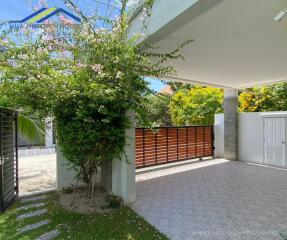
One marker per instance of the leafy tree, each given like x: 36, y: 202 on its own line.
x: 87, y: 76
x: 279, y: 97
x: 155, y: 111
x: 196, y: 106
x: 256, y: 100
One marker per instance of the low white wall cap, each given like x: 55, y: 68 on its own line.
x: 273, y: 114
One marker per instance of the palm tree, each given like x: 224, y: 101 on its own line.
x: 31, y: 129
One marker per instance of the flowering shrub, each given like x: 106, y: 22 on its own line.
x: 87, y: 77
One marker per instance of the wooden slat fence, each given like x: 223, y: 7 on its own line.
x: 170, y: 144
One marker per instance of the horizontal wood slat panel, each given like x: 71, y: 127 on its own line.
x: 170, y: 144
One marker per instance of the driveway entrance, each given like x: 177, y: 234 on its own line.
x: 37, y: 170
x: 215, y: 199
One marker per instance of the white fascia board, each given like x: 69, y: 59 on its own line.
x: 163, y: 11
x: 189, y: 81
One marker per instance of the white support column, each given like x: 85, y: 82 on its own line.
x: 230, y: 93
x: 123, y: 172
x: 231, y: 124
x: 116, y: 178
x: 49, y: 132
x: 65, y: 176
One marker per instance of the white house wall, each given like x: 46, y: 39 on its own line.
x: 66, y: 177
x: 250, y: 134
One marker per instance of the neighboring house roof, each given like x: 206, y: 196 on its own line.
x: 166, y: 90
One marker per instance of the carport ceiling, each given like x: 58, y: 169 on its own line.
x: 237, y: 43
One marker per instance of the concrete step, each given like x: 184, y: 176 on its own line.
x: 34, y: 226
x: 33, y: 199
x: 29, y: 206
x: 49, y: 235
x: 32, y: 214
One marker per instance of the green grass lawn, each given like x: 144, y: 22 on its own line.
x: 119, y: 224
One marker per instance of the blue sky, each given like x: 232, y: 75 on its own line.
x: 155, y: 85
x: 19, y: 9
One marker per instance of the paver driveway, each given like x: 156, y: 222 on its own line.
x: 215, y: 199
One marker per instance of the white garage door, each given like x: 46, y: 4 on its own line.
x: 275, y: 141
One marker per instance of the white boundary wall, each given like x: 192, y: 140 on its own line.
x: 250, y: 134
x: 66, y: 177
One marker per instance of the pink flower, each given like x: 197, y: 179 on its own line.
x: 81, y: 65
x: 65, y: 20
x: 98, y: 68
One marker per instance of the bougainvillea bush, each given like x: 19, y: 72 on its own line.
x: 87, y: 75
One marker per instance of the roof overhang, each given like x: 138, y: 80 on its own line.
x: 237, y: 43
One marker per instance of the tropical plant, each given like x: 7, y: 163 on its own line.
x: 31, y: 129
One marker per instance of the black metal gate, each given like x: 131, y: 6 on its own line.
x: 8, y: 158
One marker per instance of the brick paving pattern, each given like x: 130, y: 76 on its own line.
x: 217, y: 200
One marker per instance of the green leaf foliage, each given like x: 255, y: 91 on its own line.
x: 256, y: 100
x: 155, y: 111
x: 87, y: 76
x: 196, y: 106
x: 266, y: 98
x: 31, y: 129
x: 90, y: 132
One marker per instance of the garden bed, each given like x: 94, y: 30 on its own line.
x: 81, y: 203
